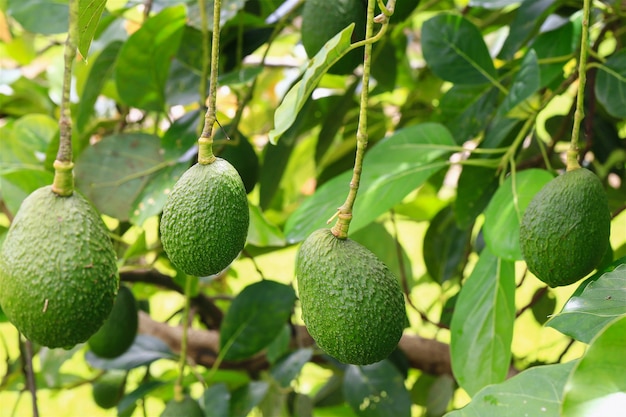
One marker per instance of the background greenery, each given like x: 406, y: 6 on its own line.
x: 470, y: 114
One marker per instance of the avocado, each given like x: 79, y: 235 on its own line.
x: 565, y: 229
x: 351, y: 302
x: 118, y: 332
x: 188, y: 407
x: 58, y: 272
x: 108, y: 390
x: 205, y: 219
x: 322, y: 19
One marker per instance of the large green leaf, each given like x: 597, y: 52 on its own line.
x: 561, y: 42
x: 526, y: 22
x: 47, y: 17
x: 299, y: 93
x: 89, y: 12
x: 217, y: 400
x: 255, y: 318
x: 455, y: 50
x: 376, y: 390
x: 525, y: 84
x: 393, y: 168
x: 288, y: 368
x: 597, y: 387
x: 143, y: 64
x: 611, y: 85
x: 535, y: 392
x: 262, y: 232
x: 483, y: 324
x: 114, y: 171
x: 601, y: 301
x: 505, y: 211
x: 244, y: 399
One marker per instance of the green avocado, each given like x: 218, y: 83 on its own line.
x: 108, y: 390
x: 58, y: 272
x: 205, y: 219
x: 565, y: 229
x: 351, y: 303
x: 188, y: 407
x: 323, y: 19
x: 120, y: 328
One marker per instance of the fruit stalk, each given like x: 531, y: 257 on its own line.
x: 572, y: 153
x: 204, y: 29
x: 344, y: 215
x: 205, y: 142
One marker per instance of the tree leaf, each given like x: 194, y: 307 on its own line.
x: 244, y: 399
x: 536, y: 391
x: 288, y: 368
x: 89, y: 12
x: 261, y: 232
x: 493, y: 4
x: 393, y: 168
x: 525, y: 84
x: 128, y: 401
x: 19, y: 183
x: 528, y: 18
x: 113, y: 172
x: 217, y: 401
x: 561, y: 42
x: 376, y: 390
x: 611, y: 85
x: 483, y: 324
x: 228, y: 10
x: 299, y: 93
x: 47, y: 17
x: 144, y: 350
x: 455, y: 50
x: 255, y: 317
x: 505, y: 211
x: 143, y: 63
x: 180, y: 140
x: 601, y: 301
x: 597, y: 386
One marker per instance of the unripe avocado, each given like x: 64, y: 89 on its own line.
x: 565, y: 229
x: 108, y: 390
x: 58, y: 272
x: 188, y: 407
x: 205, y: 219
x: 118, y: 332
x: 323, y: 19
x: 352, y: 304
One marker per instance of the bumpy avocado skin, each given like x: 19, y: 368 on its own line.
x: 351, y: 303
x: 58, y: 272
x: 205, y: 219
x: 188, y: 407
x: 119, y: 330
x: 565, y: 229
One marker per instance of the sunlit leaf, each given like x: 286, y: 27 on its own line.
x: 46, y: 17
x: 483, y: 324
x: 262, y: 232
x: 525, y: 84
x: 89, y: 12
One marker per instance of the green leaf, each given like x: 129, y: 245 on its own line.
x: 128, y: 403
x: 505, y: 211
x: 217, y: 401
x: 113, y: 172
x: 534, y: 392
x: 299, y: 93
x: 494, y: 4
x: 28, y: 141
x: 262, y: 232
x: 244, y: 399
x: 393, y: 168
x: 288, y: 368
x: 455, y: 50
x: 19, y: 183
x: 525, y: 84
x: 143, y: 64
x: 376, y: 390
x: 255, y: 318
x: 47, y: 17
x: 89, y: 12
x: 611, y: 85
x: 144, y: 350
x: 597, y: 386
x: 561, y: 42
x: 586, y: 314
x: 483, y: 324
x: 445, y: 246
x: 544, y: 306
x: 181, y: 137
x: 526, y: 22
x: 228, y: 10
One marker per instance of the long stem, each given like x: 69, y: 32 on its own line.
x: 572, y: 153
x: 204, y: 28
x: 178, y: 388
x: 344, y: 216
x: 205, y: 142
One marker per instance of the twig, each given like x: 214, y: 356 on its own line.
x: 536, y: 297
x: 567, y: 348
x: 30, y: 375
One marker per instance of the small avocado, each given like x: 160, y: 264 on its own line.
x: 108, y: 390
x: 118, y: 332
x: 58, y: 272
x: 205, y: 219
x: 351, y: 302
x: 188, y: 407
x: 564, y: 232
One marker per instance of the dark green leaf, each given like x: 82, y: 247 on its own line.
x: 586, y: 314
x: 255, y: 317
x: 262, y: 232
x: 392, y: 169
x: 280, y: 345
x: 47, y: 17
x: 561, y: 42
x: 440, y: 395
x: 217, y: 401
x: 505, y: 211
x: 180, y: 140
x: 544, y: 307
x: 526, y: 22
x: 525, y: 84
x: 128, y: 402
x: 89, y: 12
x: 597, y: 386
x: 288, y: 368
x: 455, y: 50
x: 144, y: 350
x: 445, y: 246
x: 376, y: 390
x: 535, y: 392
x: 611, y: 85
x: 144, y: 61
x: 483, y: 324
x: 244, y: 399
x: 114, y: 171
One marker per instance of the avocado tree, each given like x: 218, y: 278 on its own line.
x: 398, y: 143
